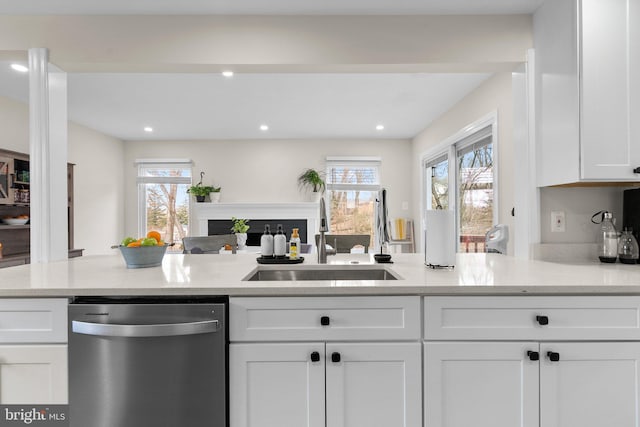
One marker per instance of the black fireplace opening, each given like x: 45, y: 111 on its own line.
x: 223, y: 226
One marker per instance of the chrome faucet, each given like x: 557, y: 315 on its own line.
x: 322, y: 241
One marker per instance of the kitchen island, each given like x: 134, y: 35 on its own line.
x: 494, y: 342
x: 474, y: 274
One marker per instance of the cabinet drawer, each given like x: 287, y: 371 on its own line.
x: 33, y: 320
x: 346, y: 318
x: 532, y: 318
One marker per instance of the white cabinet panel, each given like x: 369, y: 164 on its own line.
x: 374, y: 385
x: 33, y: 374
x: 347, y: 318
x: 521, y: 318
x: 33, y: 320
x: 482, y: 384
x: 592, y: 385
x: 276, y: 385
x: 608, y: 149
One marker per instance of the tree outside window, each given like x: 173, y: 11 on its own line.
x: 164, y: 201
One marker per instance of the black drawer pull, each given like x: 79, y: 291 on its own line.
x: 335, y: 357
x: 315, y: 356
x: 325, y: 321
x: 636, y: 170
x: 542, y: 320
x: 553, y: 356
x: 533, y: 355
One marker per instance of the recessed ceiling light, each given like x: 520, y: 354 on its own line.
x: 19, y: 67
x: 148, y: 129
x: 227, y: 73
x: 380, y: 127
x: 264, y: 128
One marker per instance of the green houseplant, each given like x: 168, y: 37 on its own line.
x: 240, y: 228
x: 312, y: 182
x: 200, y: 191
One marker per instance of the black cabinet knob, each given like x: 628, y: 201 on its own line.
x: 553, y: 356
x: 325, y: 321
x: 335, y: 357
x: 315, y: 356
x: 533, y: 355
x: 636, y: 170
x: 542, y: 320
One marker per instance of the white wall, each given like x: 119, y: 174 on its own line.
x: 267, y: 170
x: 578, y: 204
x: 495, y: 95
x: 98, y: 189
x: 14, y: 125
x: 99, y: 181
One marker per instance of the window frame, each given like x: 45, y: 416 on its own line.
x: 449, y: 148
x: 356, y: 161
x: 141, y: 181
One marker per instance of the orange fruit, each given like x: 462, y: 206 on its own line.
x: 155, y: 235
x: 160, y: 243
x: 135, y: 244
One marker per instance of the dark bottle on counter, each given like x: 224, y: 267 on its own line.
x: 266, y: 242
x: 279, y: 242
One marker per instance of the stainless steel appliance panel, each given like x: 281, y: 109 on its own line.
x: 147, y: 365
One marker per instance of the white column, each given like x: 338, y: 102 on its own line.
x: 48, y: 158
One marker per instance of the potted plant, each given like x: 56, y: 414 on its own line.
x: 214, y: 195
x: 240, y: 228
x: 312, y: 182
x: 200, y: 191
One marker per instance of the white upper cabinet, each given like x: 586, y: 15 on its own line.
x: 588, y: 99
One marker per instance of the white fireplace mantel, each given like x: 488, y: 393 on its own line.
x: 299, y: 210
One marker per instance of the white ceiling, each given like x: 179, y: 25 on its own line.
x: 209, y: 106
x: 294, y: 106
x: 266, y: 7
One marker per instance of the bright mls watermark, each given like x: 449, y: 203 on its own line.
x: 34, y: 415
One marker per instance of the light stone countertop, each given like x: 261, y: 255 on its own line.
x: 474, y: 274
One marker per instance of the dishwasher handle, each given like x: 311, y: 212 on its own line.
x: 134, y: 331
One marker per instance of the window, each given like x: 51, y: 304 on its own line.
x: 352, y: 189
x: 472, y: 176
x: 438, y: 182
x: 163, y: 201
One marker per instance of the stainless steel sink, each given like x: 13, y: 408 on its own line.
x: 340, y: 273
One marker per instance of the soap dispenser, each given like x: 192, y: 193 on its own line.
x: 266, y: 242
x: 294, y: 245
x: 279, y: 243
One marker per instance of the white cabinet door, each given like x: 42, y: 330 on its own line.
x: 591, y: 385
x: 373, y: 385
x: 33, y: 374
x: 480, y: 384
x: 609, y: 68
x: 276, y: 385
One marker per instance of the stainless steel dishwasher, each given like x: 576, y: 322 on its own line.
x: 147, y: 362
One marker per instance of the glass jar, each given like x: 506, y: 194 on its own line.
x: 628, y: 251
x: 607, y: 239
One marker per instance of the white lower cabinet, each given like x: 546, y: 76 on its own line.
x: 591, y: 385
x: 496, y: 384
x: 296, y: 384
x: 33, y: 374
x: 480, y: 384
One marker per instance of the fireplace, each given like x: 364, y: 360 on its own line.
x: 223, y: 226
x: 215, y: 218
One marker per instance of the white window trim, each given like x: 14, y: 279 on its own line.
x: 142, y: 180
x: 448, y: 147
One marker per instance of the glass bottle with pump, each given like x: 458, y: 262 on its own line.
x: 294, y: 245
x: 607, y: 239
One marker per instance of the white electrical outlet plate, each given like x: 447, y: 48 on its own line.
x: 558, y: 222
